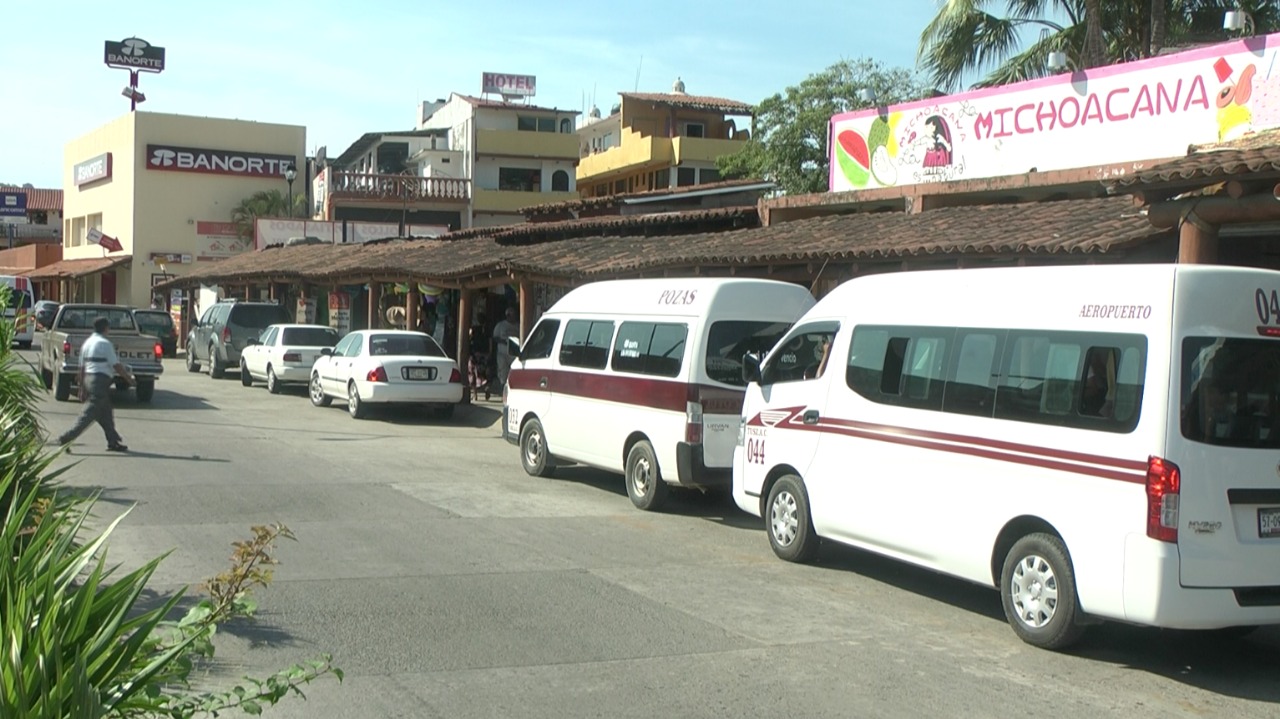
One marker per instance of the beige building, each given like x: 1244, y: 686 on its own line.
x: 164, y: 186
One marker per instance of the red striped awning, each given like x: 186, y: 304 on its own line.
x: 38, y: 199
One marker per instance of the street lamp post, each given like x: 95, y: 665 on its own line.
x: 290, y: 174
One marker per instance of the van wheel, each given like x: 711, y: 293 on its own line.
x: 47, y: 377
x: 62, y: 392
x: 215, y: 367
x: 788, y: 521
x: 1038, y: 590
x: 192, y: 364
x: 533, y: 450
x: 246, y: 379
x: 644, y: 480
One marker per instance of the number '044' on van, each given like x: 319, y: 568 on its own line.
x: 1099, y: 443
x: 644, y: 378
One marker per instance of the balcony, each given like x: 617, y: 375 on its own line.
x: 703, y: 149
x: 397, y: 188
x: 539, y: 145
x: 635, y: 152
x: 509, y: 201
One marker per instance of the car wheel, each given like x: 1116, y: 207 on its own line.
x: 645, y: 486
x: 318, y: 397
x: 193, y: 365
x: 355, y: 407
x: 1038, y: 590
x: 246, y: 379
x: 47, y: 377
x: 215, y: 365
x: 788, y: 521
x: 273, y: 384
x: 63, y: 390
x: 533, y: 450
x: 146, y: 389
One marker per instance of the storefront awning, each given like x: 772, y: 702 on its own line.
x: 75, y: 269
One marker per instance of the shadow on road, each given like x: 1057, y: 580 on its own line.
x: 110, y: 495
x: 147, y: 455
x: 255, y: 631
x: 714, y: 505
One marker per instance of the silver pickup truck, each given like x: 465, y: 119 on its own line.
x: 60, y: 348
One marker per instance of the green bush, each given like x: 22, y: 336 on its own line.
x: 75, y: 640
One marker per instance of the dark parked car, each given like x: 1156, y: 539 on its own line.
x: 223, y: 331
x: 158, y: 324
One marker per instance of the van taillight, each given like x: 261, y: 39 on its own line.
x: 66, y: 348
x: 1163, y: 482
x: 226, y: 334
x: 693, y: 422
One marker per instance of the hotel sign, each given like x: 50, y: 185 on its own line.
x: 499, y: 83
x: 92, y: 170
x: 169, y: 158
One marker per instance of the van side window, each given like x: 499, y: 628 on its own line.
x: 650, y: 348
x: 541, y: 340
x: 899, y: 365
x: 586, y: 344
x: 802, y: 355
x: 1074, y: 379
x: 971, y: 381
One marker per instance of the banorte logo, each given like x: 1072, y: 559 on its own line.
x: 163, y: 158
x: 135, y: 47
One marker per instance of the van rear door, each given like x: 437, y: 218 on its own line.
x: 727, y: 341
x: 1226, y: 440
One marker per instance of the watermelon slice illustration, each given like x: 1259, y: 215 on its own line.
x: 853, y: 157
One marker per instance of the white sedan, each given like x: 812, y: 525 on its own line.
x: 386, y: 367
x: 284, y: 354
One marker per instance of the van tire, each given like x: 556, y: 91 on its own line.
x: 1036, y: 564
x: 788, y: 521
x: 47, y: 377
x: 62, y: 390
x: 645, y: 485
x: 533, y: 450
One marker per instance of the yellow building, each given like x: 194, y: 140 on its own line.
x: 164, y: 186
x: 656, y: 141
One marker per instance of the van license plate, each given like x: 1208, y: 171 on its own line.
x: 1269, y: 522
x: 426, y: 373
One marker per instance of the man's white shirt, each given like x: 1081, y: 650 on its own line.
x: 98, y: 355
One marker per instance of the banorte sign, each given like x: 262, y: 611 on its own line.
x: 92, y: 170
x: 169, y: 158
x: 510, y: 85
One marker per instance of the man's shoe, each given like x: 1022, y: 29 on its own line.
x: 117, y: 448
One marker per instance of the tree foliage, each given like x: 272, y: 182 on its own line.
x: 789, y: 142
x: 972, y: 37
x: 266, y: 203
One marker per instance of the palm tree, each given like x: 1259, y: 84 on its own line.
x: 265, y: 203
x: 967, y: 37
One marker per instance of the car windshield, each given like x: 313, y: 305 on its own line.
x: 81, y: 318
x: 1230, y: 391
x: 257, y: 316
x: 310, y: 337
x: 404, y: 346
x: 153, y: 321
x: 729, y: 340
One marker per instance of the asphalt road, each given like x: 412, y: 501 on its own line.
x: 447, y: 583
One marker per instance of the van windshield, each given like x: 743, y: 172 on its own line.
x: 729, y: 340
x: 1230, y: 391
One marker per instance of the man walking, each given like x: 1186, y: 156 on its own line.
x: 506, y: 329
x: 99, y: 366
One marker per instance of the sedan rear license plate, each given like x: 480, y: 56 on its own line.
x: 1269, y: 522
x: 420, y: 373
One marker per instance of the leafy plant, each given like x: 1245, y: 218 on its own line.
x: 266, y: 203
x: 75, y: 638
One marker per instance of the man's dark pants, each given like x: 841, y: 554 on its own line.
x: 97, y: 408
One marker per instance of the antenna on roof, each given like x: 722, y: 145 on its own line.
x: 638, y: 67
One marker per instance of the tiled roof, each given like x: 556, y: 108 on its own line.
x: 38, y: 199
x: 500, y: 105
x: 651, y: 223
x: 72, y: 269
x: 1094, y: 226
x: 621, y: 198
x: 692, y: 102
x: 1257, y: 152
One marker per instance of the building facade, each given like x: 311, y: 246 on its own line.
x: 655, y: 141
x: 164, y: 187
x: 43, y: 221
x: 516, y: 154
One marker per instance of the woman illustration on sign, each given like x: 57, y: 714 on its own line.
x: 939, y: 155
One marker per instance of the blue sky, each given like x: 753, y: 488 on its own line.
x: 344, y: 68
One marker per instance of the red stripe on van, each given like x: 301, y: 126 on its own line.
x: 638, y: 391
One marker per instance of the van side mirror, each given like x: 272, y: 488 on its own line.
x: 750, y: 367
x: 513, y: 346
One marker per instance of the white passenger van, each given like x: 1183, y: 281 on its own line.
x: 644, y: 377
x: 1096, y: 442
x: 19, y: 311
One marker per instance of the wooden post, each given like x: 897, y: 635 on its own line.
x: 375, y: 299
x: 526, y: 308
x: 1197, y: 241
x: 464, y: 339
x: 248, y: 292
x: 412, y: 301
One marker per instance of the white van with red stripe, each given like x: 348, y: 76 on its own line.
x: 644, y: 378
x: 19, y: 310
x: 1097, y: 442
